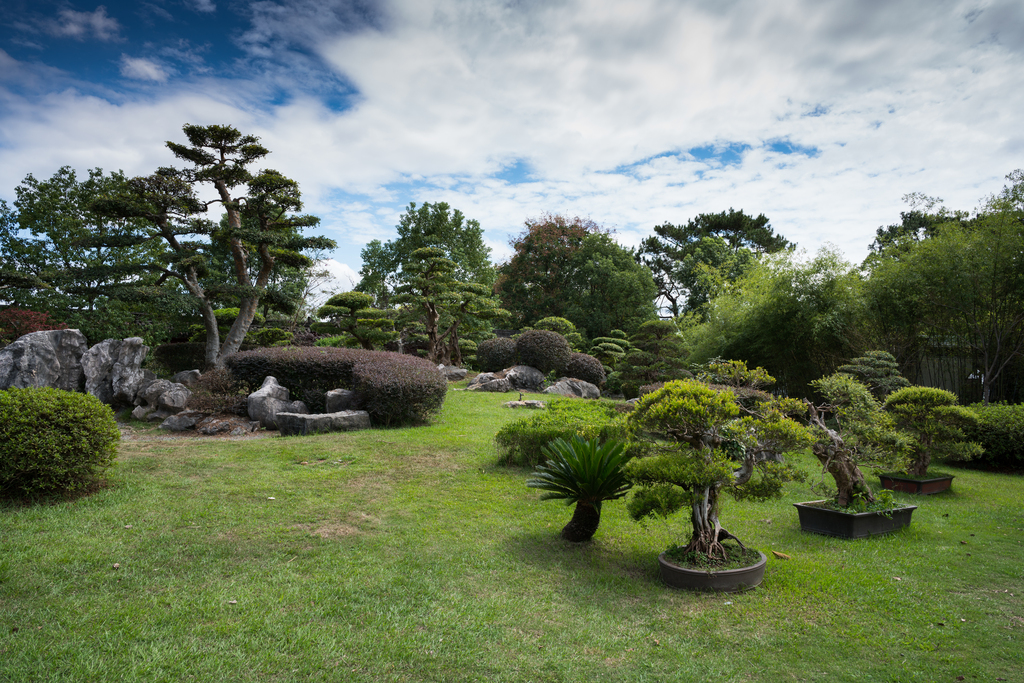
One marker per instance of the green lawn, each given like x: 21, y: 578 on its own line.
x: 408, y: 555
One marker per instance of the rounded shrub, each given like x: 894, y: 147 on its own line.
x: 396, y: 388
x: 542, y: 349
x: 495, y: 354
x: 53, y: 441
x: 584, y: 367
x: 521, y: 442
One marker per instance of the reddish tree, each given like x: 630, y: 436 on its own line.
x: 17, y: 322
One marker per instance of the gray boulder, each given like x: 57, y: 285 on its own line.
x: 113, y: 369
x: 577, y: 388
x: 525, y: 378
x: 490, y: 381
x: 296, y: 424
x: 159, y: 399
x: 269, y: 400
x: 52, y: 358
x: 453, y: 373
x: 183, y: 421
x: 187, y: 377
x: 342, y: 399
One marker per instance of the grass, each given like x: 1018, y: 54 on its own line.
x: 408, y: 555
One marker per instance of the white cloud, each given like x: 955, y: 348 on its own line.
x: 205, y: 6
x: 82, y: 25
x: 602, y: 100
x: 142, y: 69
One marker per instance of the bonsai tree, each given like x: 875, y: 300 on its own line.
x: 656, y: 355
x: 586, y: 473
x: 703, y: 443
x: 934, y: 423
x: 352, y: 314
x: 879, y: 371
x: 851, y: 429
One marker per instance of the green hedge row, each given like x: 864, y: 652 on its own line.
x: 521, y: 441
x: 1000, y: 431
x: 396, y: 388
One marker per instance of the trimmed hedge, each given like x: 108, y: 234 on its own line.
x: 1000, y: 431
x: 521, y: 441
x: 53, y: 441
x: 585, y: 367
x: 542, y: 349
x: 396, y: 388
x: 495, y: 354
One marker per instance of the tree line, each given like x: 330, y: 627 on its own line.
x: 942, y: 290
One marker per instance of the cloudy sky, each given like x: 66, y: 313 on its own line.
x: 821, y: 114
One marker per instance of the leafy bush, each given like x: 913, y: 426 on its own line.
x: 1000, y: 431
x: 216, y: 392
x: 544, y: 350
x: 270, y: 336
x: 522, y: 441
x: 878, y: 371
x: 17, y: 322
x: 563, y: 327
x: 584, y: 367
x: 495, y: 354
x: 935, y: 424
x: 397, y: 388
x: 53, y: 441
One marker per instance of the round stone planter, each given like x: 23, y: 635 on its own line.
x: 725, y: 581
x: 820, y: 520
x: 895, y: 482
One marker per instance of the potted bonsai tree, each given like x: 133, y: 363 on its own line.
x: 702, y: 443
x: 934, y: 424
x: 850, y: 429
x: 584, y: 472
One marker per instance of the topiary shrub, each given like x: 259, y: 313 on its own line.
x: 397, y: 388
x: 542, y: 349
x: 1000, y: 431
x: 53, y: 441
x: 563, y: 327
x: 878, y: 371
x: 521, y: 442
x: 584, y: 367
x: 934, y: 423
x: 495, y: 354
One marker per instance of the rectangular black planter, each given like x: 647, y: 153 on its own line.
x: 895, y: 482
x: 820, y: 520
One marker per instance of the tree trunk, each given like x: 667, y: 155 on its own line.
x: 584, y: 523
x: 707, y: 532
x: 849, y: 479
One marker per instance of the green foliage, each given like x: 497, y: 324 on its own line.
x: 656, y: 354
x: 584, y: 367
x: 1000, y: 431
x: 581, y: 470
x: 609, y: 350
x: 522, y: 441
x: 175, y: 358
x: 397, y: 388
x: 496, y: 354
x: 546, y: 351
x: 352, y: 313
x: 53, y: 441
x: 935, y: 424
x: 879, y: 371
x: 270, y: 336
x: 564, y: 328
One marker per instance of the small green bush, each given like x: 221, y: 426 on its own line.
x: 495, y: 354
x: 544, y: 350
x: 522, y: 441
x: 53, y: 441
x: 270, y: 336
x: 584, y: 367
x: 1000, y: 431
x: 397, y: 388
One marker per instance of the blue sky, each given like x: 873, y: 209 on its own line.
x: 821, y: 114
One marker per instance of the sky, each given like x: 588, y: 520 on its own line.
x: 820, y: 114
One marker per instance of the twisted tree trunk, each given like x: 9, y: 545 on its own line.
x: 583, y: 525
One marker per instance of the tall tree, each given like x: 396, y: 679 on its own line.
x: 259, y: 225
x: 680, y: 256
x: 430, y: 225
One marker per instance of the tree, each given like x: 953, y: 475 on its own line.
x: 878, y: 371
x: 687, y: 259
x: 431, y: 225
x: 352, y: 313
x: 80, y: 268
x: 935, y: 426
x: 258, y: 225
x: 569, y: 268
x: 657, y: 355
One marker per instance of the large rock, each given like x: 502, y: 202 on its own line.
x: 159, y: 399
x: 269, y: 400
x: 113, y: 369
x: 182, y: 421
x: 490, y: 381
x: 296, y: 424
x: 573, y: 388
x: 342, y: 399
x: 52, y: 358
x: 525, y: 378
x: 187, y: 377
x: 452, y: 373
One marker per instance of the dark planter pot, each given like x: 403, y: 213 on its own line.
x: 851, y: 524
x: 895, y: 482
x: 725, y: 581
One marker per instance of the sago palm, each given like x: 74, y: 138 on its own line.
x: 583, y: 472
